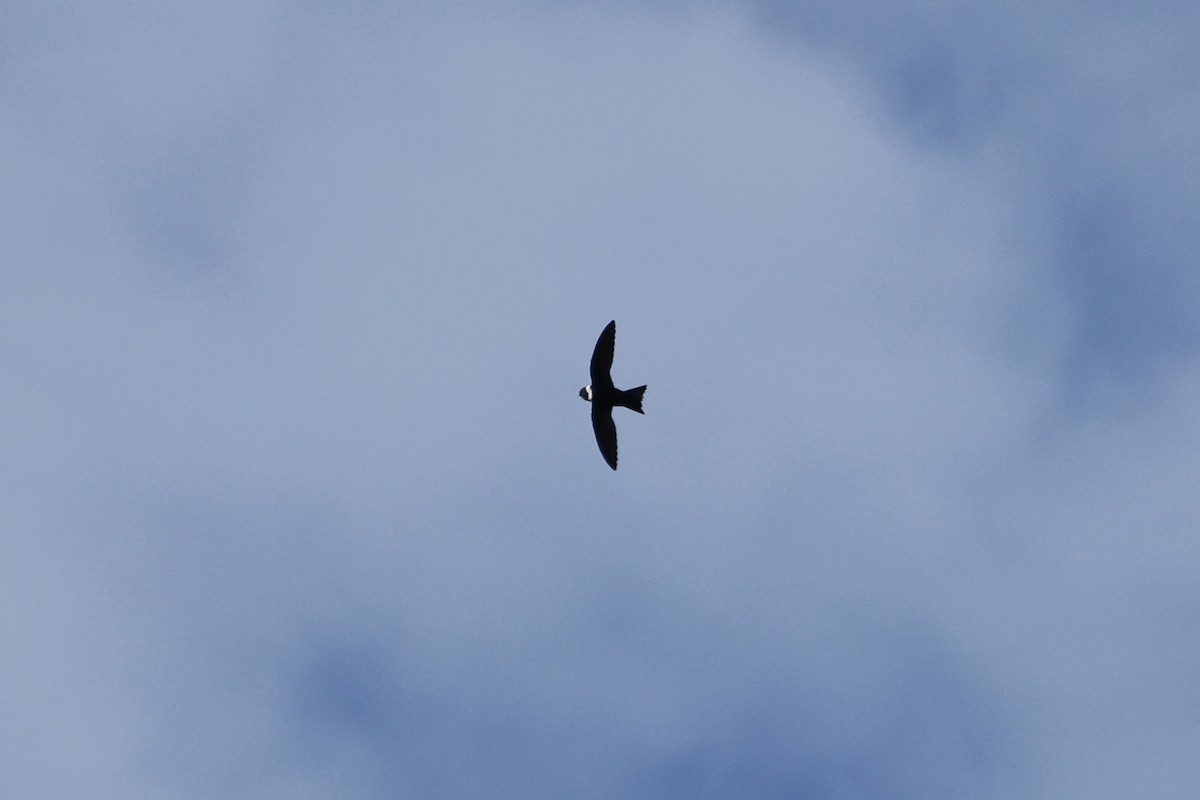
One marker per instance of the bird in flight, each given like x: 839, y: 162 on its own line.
x: 604, y: 396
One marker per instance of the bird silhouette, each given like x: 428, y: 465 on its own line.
x: 604, y: 396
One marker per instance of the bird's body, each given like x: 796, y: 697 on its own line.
x: 604, y: 396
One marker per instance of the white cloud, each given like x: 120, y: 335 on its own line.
x: 307, y: 504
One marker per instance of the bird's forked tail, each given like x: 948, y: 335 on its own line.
x: 632, y: 398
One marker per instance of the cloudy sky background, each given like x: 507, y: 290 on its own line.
x: 298, y: 499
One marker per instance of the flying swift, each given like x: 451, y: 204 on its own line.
x: 604, y: 396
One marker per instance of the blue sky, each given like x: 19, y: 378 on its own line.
x: 299, y: 499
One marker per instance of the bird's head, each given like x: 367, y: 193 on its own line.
x: 586, y: 393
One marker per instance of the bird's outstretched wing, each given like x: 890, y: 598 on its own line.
x: 602, y: 358
x: 606, y: 432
